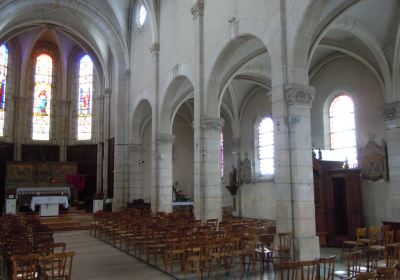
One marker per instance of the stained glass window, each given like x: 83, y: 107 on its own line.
x: 85, y: 98
x: 221, y: 155
x: 42, y: 98
x: 342, y: 129
x: 266, y: 147
x: 3, y: 78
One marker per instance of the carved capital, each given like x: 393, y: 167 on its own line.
x: 299, y: 94
x: 391, y: 111
x: 197, y: 9
x: 212, y: 124
x: 155, y: 49
x: 162, y: 139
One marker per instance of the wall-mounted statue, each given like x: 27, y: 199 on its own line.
x: 245, y: 171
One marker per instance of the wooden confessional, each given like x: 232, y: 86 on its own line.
x: 338, y: 207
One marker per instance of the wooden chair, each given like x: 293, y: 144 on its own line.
x: 309, y: 269
x: 366, y: 276
x: 391, y: 255
x: 352, y: 261
x: 372, y: 236
x: 327, y: 267
x: 264, y: 249
x: 289, y: 270
x: 386, y: 273
x: 284, y: 247
x: 372, y: 256
x: 353, y: 245
x: 57, y: 266
x: 387, y: 238
x: 25, y: 267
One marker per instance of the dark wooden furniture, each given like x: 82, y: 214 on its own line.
x: 338, y: 207
x: 395, y: 226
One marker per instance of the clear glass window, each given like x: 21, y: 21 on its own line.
x: 342, y: 129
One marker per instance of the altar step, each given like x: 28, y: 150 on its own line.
x: 73, y: 220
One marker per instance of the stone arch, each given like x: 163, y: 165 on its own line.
x: 396, y: 65
x: 230, y: 53
x: 309, y: 33
x: 89, y: 27
x: 142, y: 114
x: 178, y: 91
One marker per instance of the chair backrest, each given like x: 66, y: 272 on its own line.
x: 285, y: 245
x: 392, y: 254
x: 289, y: 270
x: 386, y: 273
x: 387, y: 237
x: 327, y: 267
x: 309, y: 269
x: 372, y: 256
x: 25, y: 267
x: 361, y: 233
x: 58, y: 265
x: 352, y: 262
x: 366, y: 276
x: 373, y: 233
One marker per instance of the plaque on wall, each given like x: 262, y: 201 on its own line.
x: 374, y: 161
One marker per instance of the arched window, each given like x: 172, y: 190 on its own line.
x: 141, y: 15
x: 342, y: 131
x: 3, y: 79
x: 221, y: 155
x: 42, y: 98
x: 85, y: 98
x: 264, y: 144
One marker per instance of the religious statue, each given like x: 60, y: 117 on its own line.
x: 233, y: 184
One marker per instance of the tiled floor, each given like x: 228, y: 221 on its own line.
x: 97, y: 260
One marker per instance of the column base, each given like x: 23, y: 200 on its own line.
x: 306, y: 248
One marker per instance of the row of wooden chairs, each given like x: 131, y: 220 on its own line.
x: 181, y: 239
x: 35, y: 266
x: 322, y: 268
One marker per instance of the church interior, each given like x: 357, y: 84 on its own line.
x: 281, y: 114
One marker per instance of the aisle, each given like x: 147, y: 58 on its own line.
x: 96, y: 260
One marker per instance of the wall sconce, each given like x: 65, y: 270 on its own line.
x: 141, y: 162
x: 278, y: 124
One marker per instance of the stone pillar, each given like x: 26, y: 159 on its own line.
x: 18, y: 130
x: 392, y: 122
x: 210, y: 158
x: 164, y: 144
x: 64, y: 109
x: 135, y: 175
x: 298, y: 100
x: 197, y: 12
x: 236, y: 162
x: 106, y: 136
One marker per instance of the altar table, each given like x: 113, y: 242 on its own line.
x: 49, y: 204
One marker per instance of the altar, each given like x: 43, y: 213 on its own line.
x: 49, y: 205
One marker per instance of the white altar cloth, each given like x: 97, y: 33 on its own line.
x: 44, y: 191
x: 183, y: 203
x: 49, y: 200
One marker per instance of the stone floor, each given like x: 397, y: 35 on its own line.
x: 98, y: 260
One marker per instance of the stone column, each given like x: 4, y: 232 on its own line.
x: 164, y: 144
x: 106, y: 136
x: 301, y: 208
x: 197, y: 12
x: 392, y: 122
x: 135, y: 176
x: 64, y: 120
x: 210, y: 158
x: 18, y: 130
x: 236, y: 162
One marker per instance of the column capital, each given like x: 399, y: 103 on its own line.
x: 212, y: 124
x: 155, y: 49
x: 197, y: 9
x: 297, y: 94
x: 391, y: 111
x: 162, y: 139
